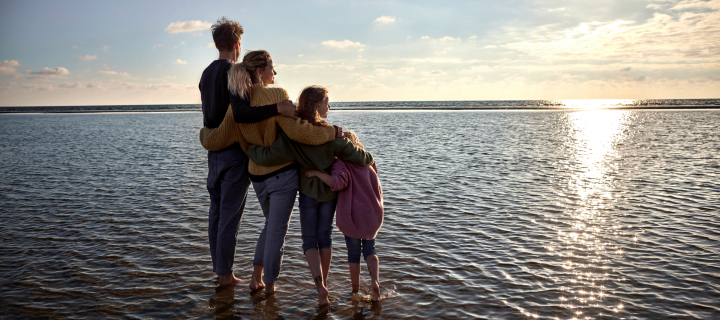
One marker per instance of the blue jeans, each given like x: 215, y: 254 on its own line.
x: 228, y: 184
x: 353, y: 246
x: 316, y: 222
x: 277, y: 198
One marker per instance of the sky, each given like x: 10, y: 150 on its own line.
x: 153, y: 52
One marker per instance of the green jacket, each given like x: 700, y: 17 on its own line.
x: 310, y: 157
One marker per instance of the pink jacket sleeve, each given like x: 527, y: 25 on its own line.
x: 340, y: 175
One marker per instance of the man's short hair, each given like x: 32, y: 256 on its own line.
x: 226, y: 33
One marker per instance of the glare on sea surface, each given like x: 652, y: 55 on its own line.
x: 591, y: 137
x: 595, y: 103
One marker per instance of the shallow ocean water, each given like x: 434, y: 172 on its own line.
x: 608, y: 214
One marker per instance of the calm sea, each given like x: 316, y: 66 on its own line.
x: 505, y: 214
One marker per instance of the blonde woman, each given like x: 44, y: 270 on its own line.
x: 275, y: 186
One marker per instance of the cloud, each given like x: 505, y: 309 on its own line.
x: 112, y: 73
x: 47, y: 72
x: 626, y: 69
x: 445, y: 39
x: 105, y: 48
x: 187, y: 26
x: 157, y: 46
x: 557, y: 9
x: 211, y: 45
x: 9, y: 67
x: 75, y: 47
x: 87, y: 58
x: 81, y: 85
x: 342, y: 44
x: 178, y: 61
x: 385, y: 20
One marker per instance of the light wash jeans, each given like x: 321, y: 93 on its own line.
x: 316, y: 222
x: 277, y: 198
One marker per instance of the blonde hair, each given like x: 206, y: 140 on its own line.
x: 309, y: 100
x: 350, y: 135
x: 242, y: 75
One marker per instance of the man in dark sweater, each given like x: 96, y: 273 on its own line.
x: 228, y: 179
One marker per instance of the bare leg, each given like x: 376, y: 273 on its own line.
x: 325, y: 258
x: 256, y: 282
x: 355, y: 276
x: 316, y: 269
x: 373, y: 264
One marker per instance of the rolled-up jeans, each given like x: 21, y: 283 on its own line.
x: 277, y: 197
x: 316, y: 222
x: 354, y: 248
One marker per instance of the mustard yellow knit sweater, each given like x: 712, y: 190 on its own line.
x: 264, y: 132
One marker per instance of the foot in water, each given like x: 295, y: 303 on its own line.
x: 256, y: 284
x: 375, y: 295
x: 322, y: 290
x: 229, y: 280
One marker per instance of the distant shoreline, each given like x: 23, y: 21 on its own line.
x: 44, y: 110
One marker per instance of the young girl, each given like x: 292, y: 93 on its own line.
x: 359, y: 213
x: 317, y: 200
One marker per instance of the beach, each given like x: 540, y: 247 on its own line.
x: 489, y: 214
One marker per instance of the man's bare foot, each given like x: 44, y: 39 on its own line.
x: 229, y: 280
x: 375, y: 296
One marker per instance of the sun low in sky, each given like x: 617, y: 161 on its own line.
x: 153, y: 52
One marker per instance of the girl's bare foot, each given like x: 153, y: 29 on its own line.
x: 375, y: 296
x: 322, y: 290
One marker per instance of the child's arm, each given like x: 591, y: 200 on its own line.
x: 279, y: 153
x: 324, y: 177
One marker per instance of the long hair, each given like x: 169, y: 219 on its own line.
x: 350, y: 135
x: 308, y: 102
x: 242, y: 75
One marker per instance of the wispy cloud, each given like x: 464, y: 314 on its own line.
x: 157, y: 46
x: 178, y: 61
x: 106, y: 48
x: 187, y: 26
x: 113, y: 73
x: 9, y: 67
x: 385, y: 20
x: 211, y: 45
x: 342, y: 44
x: 47, y: 73
x: 87, y: 58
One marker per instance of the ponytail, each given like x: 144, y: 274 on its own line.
x: 242, y: 75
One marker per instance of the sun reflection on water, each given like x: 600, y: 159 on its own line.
x: 585, y: 246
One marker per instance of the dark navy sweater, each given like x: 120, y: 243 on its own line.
x: 216, y: 98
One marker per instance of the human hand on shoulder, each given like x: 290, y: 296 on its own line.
x: 339, y: 133
x: 287, y: 108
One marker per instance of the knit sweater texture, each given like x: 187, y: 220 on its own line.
x: 360, y: 200
x: 310, y: 157
x: 263, y: 133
